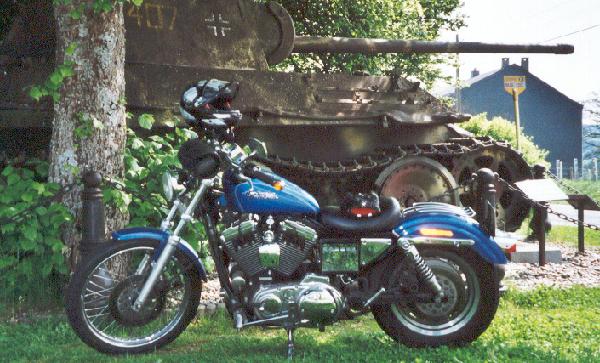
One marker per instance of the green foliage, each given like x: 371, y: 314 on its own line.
x: 146, y: 121
x: 525, y: 329
x: 30, y: 224
x: 51, y: 86
x: 502, y: 129
x: 391, y: 19
x: 146, y: 159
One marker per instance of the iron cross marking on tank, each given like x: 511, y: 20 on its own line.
x: 218, y: 25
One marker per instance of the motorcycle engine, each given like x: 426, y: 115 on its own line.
x: 269, y: 246
x: 317, y: 302
x: 266, y: 255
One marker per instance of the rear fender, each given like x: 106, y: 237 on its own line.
x: 465, y: 232
x: 163, y: 238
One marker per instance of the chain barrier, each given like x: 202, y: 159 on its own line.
x: 547, y: 207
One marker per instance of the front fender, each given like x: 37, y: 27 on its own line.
x: 462, y: 228
x: 163, y: 238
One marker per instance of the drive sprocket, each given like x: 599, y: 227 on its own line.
x: 511, y: 209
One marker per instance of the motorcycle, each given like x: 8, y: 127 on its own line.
x: 429, y: 274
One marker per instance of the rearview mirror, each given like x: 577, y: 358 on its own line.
x: 171, y: 186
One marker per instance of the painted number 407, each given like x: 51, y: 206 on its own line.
x: 154, y: 16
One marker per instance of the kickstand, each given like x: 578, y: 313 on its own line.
x: 290, y: 343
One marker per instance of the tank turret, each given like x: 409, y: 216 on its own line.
x: 333, y: 133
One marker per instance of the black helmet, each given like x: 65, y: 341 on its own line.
x: 199, y: 158
x: 208, y: 104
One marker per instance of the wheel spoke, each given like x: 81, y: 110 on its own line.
x: 106, y: 295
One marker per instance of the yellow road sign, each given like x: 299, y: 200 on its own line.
x: 514, y: 84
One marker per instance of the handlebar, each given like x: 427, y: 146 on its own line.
x: 254, y: 172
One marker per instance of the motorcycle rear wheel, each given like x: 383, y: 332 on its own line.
x: 472, y: 298
x: 101, y: 292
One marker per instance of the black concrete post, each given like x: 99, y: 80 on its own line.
x: 485, y: 191
x: 92, y: 213
x: 540, y: 215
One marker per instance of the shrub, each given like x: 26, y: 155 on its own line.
x: 30, y: 225
x: 146, y: 159
x: 31, y: 250
x: 502, y: 129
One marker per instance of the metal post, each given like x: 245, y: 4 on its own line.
x: 92, y: 214
x: 540, y: 216
x: 595, y: 168
x: 575, y: 169
x: 541, y: 235
x: 571, y: 173
x: 581, y: 234
x: 486, y: 200
x: 560, y: 170
x: 515, y: 95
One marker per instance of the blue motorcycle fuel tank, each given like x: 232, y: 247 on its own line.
x: 262, y: 198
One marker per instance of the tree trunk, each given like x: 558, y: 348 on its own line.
x: 92, y: 98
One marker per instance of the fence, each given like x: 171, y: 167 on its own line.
x: 576, y: 170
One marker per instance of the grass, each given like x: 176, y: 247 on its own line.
x: 569, y: 236
x: 545, y: 325
x: 591, y: 188
x: 564, y: 235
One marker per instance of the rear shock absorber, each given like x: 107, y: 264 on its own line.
x: 424, y: 273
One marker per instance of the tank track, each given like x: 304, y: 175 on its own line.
x: 329, y: 180
x: 383, y: 157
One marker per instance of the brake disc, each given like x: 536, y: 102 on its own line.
x: 124, y: 295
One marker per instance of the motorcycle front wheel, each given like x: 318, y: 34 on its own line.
x: 100, y: 296
x: 471, y: 299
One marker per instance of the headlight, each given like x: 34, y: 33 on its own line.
x: 170, y: 186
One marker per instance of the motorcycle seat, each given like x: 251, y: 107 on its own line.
x: 333, y: 221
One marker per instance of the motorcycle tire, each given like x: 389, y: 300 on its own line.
x: 102, y: 285
x: 472, y: 297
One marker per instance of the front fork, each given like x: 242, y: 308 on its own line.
x: 173, y: 242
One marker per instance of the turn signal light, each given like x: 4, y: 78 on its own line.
x: 278, y: 185
x: 435, y: 232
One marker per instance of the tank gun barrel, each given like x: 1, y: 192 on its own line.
x: 312, y: 44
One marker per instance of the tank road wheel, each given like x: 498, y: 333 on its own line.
x: 511, y: 210
x: 418, y: 179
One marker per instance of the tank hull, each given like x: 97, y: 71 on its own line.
x: 330, y: 133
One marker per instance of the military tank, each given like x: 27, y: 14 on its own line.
x: 332, y: 133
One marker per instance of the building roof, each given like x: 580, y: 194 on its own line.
x: 470, y: 82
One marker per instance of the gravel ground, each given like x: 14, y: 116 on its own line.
x: 211, y: 291
x: 575, y: 269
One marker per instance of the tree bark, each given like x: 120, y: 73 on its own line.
x: 95, y: 92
